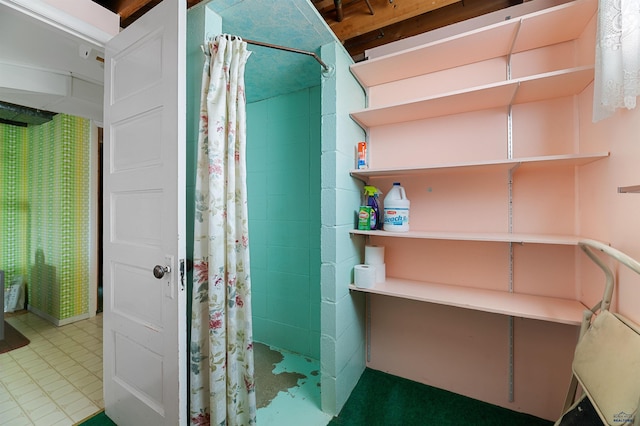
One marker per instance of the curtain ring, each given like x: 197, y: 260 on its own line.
x: 229, y: 37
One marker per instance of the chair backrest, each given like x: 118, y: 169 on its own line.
x: 607, y: 365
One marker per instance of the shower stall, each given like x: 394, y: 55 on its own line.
x: 298, y: 145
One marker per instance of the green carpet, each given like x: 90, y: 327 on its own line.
x: 99, y: 419
x: 380, y: 399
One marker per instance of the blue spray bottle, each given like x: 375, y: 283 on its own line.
x: 371, y: 194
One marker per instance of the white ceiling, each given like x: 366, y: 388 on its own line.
x: 46, y: 68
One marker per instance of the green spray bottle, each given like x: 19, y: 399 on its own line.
x: 371, y: 194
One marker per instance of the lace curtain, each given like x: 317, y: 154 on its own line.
x: 617, y: 73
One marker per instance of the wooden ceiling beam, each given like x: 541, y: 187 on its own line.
x: 444, y: 16
x: 130, y: 10
x: 324, y: 5
x: 358, y: 20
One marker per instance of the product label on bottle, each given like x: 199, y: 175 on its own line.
x: 364, y: 218
x: 396, y: 217
x: 361, y: 161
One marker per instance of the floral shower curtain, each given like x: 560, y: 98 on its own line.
x: 221, y: 352
x: 617, y: 71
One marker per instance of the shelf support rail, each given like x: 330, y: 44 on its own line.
x: 513, y: 43
x: 510, y: 372
x: 603, y: 305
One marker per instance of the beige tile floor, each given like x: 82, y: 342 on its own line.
x: 57, y: 378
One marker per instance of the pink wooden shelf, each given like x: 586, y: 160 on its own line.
x: 504, y: 237
x: 555, y: 84
x: 553, y: 25
x: 467, y: 100
x: 543, y: 308
x: 523, y: 163
x: 496, y: 41
x: 534, y: 88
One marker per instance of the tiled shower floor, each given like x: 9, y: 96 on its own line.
x: 287, y: 389
x: 56, y: 380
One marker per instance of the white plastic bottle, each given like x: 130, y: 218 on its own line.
x: 396, y: 210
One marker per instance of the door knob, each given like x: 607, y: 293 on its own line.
x: 159, y: 271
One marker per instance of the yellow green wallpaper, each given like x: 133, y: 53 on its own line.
x: 14, y: 202
x: 47, y: 168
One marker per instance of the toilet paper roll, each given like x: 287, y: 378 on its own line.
x: 373, y: 255
x: 381, y: 273
x: 364, y: 276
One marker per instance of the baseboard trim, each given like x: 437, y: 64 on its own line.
x: 56, y: 321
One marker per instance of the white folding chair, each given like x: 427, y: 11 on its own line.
x: 606, y: 363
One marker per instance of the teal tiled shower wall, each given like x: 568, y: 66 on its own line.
x: 283, y: 179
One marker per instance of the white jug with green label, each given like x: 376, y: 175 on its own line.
x: 396, y: 209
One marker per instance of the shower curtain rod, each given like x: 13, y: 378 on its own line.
x: 286, y: 49
x: 289, y: 49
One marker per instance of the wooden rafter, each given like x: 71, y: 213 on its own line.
x: 358, y: 20
x: 426, y: 22
x: 130, y: 10
x: 127, y: 8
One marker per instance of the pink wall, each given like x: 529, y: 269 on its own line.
x: 605, y: 214
x: 466, y: 351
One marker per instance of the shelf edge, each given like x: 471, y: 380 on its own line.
x: 562, y: 311
x: 575, y: 159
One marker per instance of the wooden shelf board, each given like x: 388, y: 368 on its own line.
x: 554, y: 84
x: 478, y: 98
x: 523, y: 163
x: 462, y: 49
x: 366, y: 174
x: 534, y: 88
x: 543, y: 308
x: 549, y: 26
x: 499, y: 237
x: 561, y: 160
x: 563, y: 23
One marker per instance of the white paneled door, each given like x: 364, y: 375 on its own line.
x: 144, y: 227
